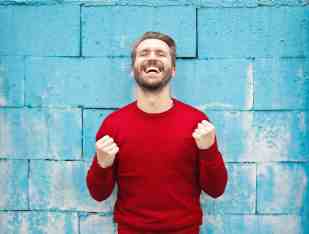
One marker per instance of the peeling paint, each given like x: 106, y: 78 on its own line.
x: 249, y: 87
x: 301, y: 121
x: 204, y: 107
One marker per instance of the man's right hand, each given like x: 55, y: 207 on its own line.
x: 106, y: 150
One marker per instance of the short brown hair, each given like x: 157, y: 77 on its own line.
x: 160, y: 36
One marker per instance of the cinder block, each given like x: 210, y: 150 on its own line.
x: 96, y: 224
x: 32, y: 133
x: 255, y: 224
x: 52, y: 30
x: 283, y: 188
x: 61, y: 185
x: 13, y: 185
x: 92, y: 120
x: 215, y: 84
x: 262, y: 136
x: 230, y: 224
x: 283, y: 224
x: 281, y: 84
x: 281, y: 2
x: 92, y: 82
x: 266, y: 32
x: 11, y: 81
x: 228, y: 3
x: 38, y: 222
x: 130, y: 22
x: 240, y: 194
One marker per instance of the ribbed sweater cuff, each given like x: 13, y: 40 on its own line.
x: 100, y: 171
x: 210, y: 154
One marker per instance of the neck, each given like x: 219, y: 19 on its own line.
x: 151, y: 102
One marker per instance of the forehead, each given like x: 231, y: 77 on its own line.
x: 152, y: 44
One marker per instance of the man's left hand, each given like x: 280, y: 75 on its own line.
x: 204, y: 135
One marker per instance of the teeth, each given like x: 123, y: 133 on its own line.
x: 152, y: 68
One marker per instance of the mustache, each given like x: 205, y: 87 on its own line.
x: 152, y: 63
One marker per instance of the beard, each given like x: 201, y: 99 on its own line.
x: 153, y: 82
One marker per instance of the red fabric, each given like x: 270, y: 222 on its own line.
x: 123, y: 229
x: 159, y: 170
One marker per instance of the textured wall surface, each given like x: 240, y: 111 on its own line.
x: 64, y: 65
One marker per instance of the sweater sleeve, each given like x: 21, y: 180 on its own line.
x: 101, y: 181
x: 213, y: 174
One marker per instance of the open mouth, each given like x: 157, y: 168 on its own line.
x: 152, y: 70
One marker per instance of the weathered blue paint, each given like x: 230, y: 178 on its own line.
x: 129, y: 23
x: 13, y: 185
x: 60, y: 185
x: 38, y: 222
x: 282, y: 188
x: 223, y: 32
x: 40, y: 30
x: 78, y: 82
x: 11, y: 81
x: 255, y: 224
x: 244, y: 63
x: 95, y: 224
x: 215, y: 84
x: 288, y: 80
x: 262, y: 136
x: 32, y: 133
x: 240, y: 194
x: 92, y: 120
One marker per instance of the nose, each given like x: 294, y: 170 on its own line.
x: 152, y: 55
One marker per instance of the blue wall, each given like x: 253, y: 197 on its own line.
x: 64, y: 65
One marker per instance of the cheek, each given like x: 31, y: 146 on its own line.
x: 138, y: 63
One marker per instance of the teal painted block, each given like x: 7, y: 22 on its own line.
x: 228, y: 3
x: 266, y: 32
x: 306, y: 30
x: 232, y: 128
x: 281, y: 84
x: 230, y: 224
x: 55, y: 33
x: 13, y: 185
x: 283, y: 224
x: 151, y: 2
x: 129, y: 23
x: 240, y: 194
x: 38, y: 223
x: 262, y: 136
x: 61, y: 185
x: 255, y: 224
x: 215, y: 84
x: 92, y: 82
x: 283, y: 188
x: 32, y: 133
x: 281, y: 2
x: 92, y: 120
x: 96, y: 224
x: 11, y: 81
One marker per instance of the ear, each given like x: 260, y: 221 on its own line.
x: 174, y: 71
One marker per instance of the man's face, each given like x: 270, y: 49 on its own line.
x: 153, y: 65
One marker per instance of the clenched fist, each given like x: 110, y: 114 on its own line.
x: 106, y: 150
x: 204, y: 134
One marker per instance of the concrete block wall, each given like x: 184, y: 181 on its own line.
x: 64, y: 65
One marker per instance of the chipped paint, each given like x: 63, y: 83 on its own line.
x: 214, y: 105
x: 301, y: 121
x: 249, y: 88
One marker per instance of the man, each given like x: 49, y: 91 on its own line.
x: 160, y: 151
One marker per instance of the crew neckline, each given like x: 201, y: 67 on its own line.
x: 155, y: 115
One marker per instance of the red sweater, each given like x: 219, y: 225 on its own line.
x: 159, y: 170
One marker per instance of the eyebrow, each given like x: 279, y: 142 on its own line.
x: 147, y: 49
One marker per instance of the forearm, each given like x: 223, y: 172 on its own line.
x: 212, y: 171
x: 100, y: 181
